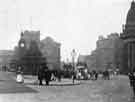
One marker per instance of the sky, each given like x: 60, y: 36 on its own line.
x: 76, y: 24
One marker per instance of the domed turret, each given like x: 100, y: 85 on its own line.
x: 131, y: 14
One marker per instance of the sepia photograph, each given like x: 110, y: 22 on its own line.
x: 67, y: 50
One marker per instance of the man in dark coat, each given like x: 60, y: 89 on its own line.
x: 40, y: 75
x: 47, y: 75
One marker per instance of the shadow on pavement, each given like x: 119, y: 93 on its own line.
x: 60, y: 84
x: 63, y: 84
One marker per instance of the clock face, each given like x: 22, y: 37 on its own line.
x: 22, y: 44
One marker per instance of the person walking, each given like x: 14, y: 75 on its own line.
x: 133, y: 83
x: 47, y: 74
x: 19, y: 75
x: 130, y: 75
x: 40, y: 75
x: 96, y: 75
x: 73, y: 77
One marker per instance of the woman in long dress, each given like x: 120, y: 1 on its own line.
x: 19, y: 76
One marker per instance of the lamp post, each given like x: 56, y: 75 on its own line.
x: 73, y: 54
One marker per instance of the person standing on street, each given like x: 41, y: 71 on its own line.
x: 130, y: 75
x: 133, y: 83
x: 47, y: 74
x: 19, y: 75
x: 40, y: 75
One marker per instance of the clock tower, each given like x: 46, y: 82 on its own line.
x: 22, y: 46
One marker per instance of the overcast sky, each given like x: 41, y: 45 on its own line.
x: 74, y: 23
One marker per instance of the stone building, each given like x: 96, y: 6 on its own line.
x: 107, y: 54
x: 128, y: 36
x: 6, y: 57
x: 31, y: 51
x: 51, y: 51
x: 89, y: 60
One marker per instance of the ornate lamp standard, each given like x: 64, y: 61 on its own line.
x: 73, y: 54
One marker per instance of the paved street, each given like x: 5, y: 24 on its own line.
x: 9, y: 85
x: 116, y: 90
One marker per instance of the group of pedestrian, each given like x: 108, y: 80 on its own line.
x: 44, y: 74
x: 94, y: 75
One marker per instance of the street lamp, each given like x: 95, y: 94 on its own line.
x: 73, y: 54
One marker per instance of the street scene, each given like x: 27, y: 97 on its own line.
x: 67, y: 51
x: 114, y: 90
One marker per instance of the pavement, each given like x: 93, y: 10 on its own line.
x: 9, y: 85
x: 115, y: 90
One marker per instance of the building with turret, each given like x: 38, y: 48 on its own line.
x: 128, y: 37
x: 32, y: 52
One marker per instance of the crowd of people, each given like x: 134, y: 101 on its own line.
x: 44, y: 74
x: 94, y: 75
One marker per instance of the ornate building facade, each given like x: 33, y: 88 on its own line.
x: 128, y: 37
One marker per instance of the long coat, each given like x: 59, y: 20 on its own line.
x: 47, y: 75
x: 40, y: 74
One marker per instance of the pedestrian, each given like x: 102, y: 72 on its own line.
x: 130, y: 75
x: 59, y: 75
x: 73, y: 76
x: 96, y: 75
x: 40, y: 75
x: 19, y: 75
x: 133, y: 83
x: 47, y: 74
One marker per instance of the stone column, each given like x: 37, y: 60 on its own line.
x: 129, y: 54
x: 133, y: 55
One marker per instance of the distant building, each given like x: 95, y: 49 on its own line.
x: 89, y: 60
x: 108, y: 52
x: 30, y: 46
x: 6, y: 57
x: 51, y: 51
x: 82, y: 58
x: 107, y: 55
